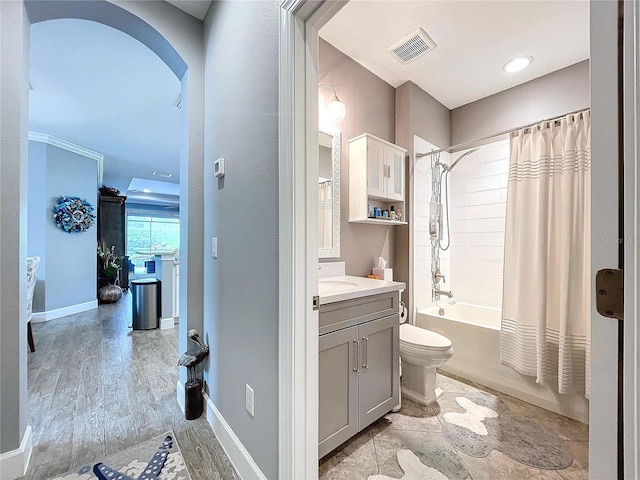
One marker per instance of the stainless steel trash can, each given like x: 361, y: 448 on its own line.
x: 145, y: 303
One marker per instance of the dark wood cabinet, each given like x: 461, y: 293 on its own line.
x: 112, y: 223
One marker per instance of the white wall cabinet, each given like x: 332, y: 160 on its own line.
x: 376, y: 178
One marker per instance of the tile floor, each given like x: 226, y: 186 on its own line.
x: 420, y: 429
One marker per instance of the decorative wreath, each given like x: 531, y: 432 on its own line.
x: 74, y: 214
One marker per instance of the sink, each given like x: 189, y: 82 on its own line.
x: 338, y: 283
x: 333, y: 286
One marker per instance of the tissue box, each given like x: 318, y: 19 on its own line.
x: 383, y: 273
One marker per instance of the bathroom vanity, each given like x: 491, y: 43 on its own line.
x: 358, y: 355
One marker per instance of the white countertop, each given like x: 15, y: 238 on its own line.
x: 347, y: 287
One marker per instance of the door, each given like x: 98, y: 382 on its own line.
x: 338, y: 388
x: 375, y: 168
x: 379, y: 381
x: 395, y: 174
x: 613, y: 426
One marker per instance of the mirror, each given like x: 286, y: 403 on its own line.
x: 329, y: 194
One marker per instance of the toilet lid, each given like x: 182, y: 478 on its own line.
x: 423, y: 338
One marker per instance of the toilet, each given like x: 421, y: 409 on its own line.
x: 421, y: 351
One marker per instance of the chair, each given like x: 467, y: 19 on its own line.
x: 33, y: 265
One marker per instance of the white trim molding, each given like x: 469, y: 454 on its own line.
x: 631, y: 369
x: 298, y: 250
x: 70, y: 147
x: 180, y: 394
x: 238, y: 455
x: 14, y: 464
x: 41, y: 317
x: 167, y: 323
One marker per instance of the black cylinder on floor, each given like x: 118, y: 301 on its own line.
x: 193, y: 401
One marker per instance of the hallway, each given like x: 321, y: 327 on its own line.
x: 97, y: 387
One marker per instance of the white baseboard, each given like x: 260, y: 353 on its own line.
x: 167, y: 323
x: 39, y: 317
x: 14, y: 464
x: 239, y: 456
x: 180, y: 394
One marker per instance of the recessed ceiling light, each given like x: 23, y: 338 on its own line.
x: 146, y: 190
x: 517, y: 64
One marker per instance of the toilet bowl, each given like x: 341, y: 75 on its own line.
x: 421, y: 352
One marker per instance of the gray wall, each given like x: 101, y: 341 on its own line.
x: 557, y: 93
x: 241, y: 210
x: 37, y: 217
x: 370, y: 103
x: 417, y: 113
x: 14, y: 98
x: 67, y: 274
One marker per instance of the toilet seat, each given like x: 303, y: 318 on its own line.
x: 423, y: 339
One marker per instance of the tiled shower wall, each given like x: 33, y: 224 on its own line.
x: 478, y: 199
x: 477, y: 194
x: 420, y: 225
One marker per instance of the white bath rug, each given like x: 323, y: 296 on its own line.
x: 413, y: 469
x: 473, y: 417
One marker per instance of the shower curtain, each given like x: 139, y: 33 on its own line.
x: 546, y: 296
x: 325, y: 215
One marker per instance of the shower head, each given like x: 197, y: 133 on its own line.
x: 450, y: 167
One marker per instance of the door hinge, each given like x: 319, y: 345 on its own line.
x: 610, y: 293
x: 316, y: 302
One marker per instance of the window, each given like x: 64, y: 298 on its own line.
x: 148, y: 233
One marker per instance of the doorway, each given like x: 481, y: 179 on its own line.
x: 303, y: 31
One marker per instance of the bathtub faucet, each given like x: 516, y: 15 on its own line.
x: 437, y: 292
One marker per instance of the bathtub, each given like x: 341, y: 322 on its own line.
x: 475, y: 333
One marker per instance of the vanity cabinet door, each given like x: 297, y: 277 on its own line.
x: 378, y: 381
x: 338, y: 388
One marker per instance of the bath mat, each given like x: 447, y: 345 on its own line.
x: 416, y: 455
x: 134, y: 460
x: 487, y: 424
x: 413, y: 469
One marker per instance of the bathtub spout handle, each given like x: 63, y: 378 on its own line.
x: 436, y: 276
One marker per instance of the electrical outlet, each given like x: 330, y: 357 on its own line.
x: 250, y: 400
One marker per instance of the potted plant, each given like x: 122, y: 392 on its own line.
x: 109, y: 265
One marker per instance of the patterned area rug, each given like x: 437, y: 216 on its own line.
x: 485, y: 423
x: 132, y: 462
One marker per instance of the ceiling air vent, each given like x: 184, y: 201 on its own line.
x: 412, y: 46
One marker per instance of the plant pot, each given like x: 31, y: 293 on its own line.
x: 110, y: 294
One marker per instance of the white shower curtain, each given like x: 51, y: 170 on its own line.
x: 546, y: 296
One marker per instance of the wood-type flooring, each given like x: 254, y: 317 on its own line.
x: 97, y: 387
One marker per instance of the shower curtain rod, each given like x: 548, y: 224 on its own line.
x: 473, y: 143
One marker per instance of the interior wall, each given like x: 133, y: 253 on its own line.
x: 14, y: 100
x: 241, y: 210
x: 53, y: 172
x: 370, y: 103
x: 417, y: 114
x: 37, y: 217
x: 563, y: 91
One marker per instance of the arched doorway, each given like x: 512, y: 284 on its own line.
x: 176, y: 39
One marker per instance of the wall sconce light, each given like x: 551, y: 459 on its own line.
x: 335, y: 111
